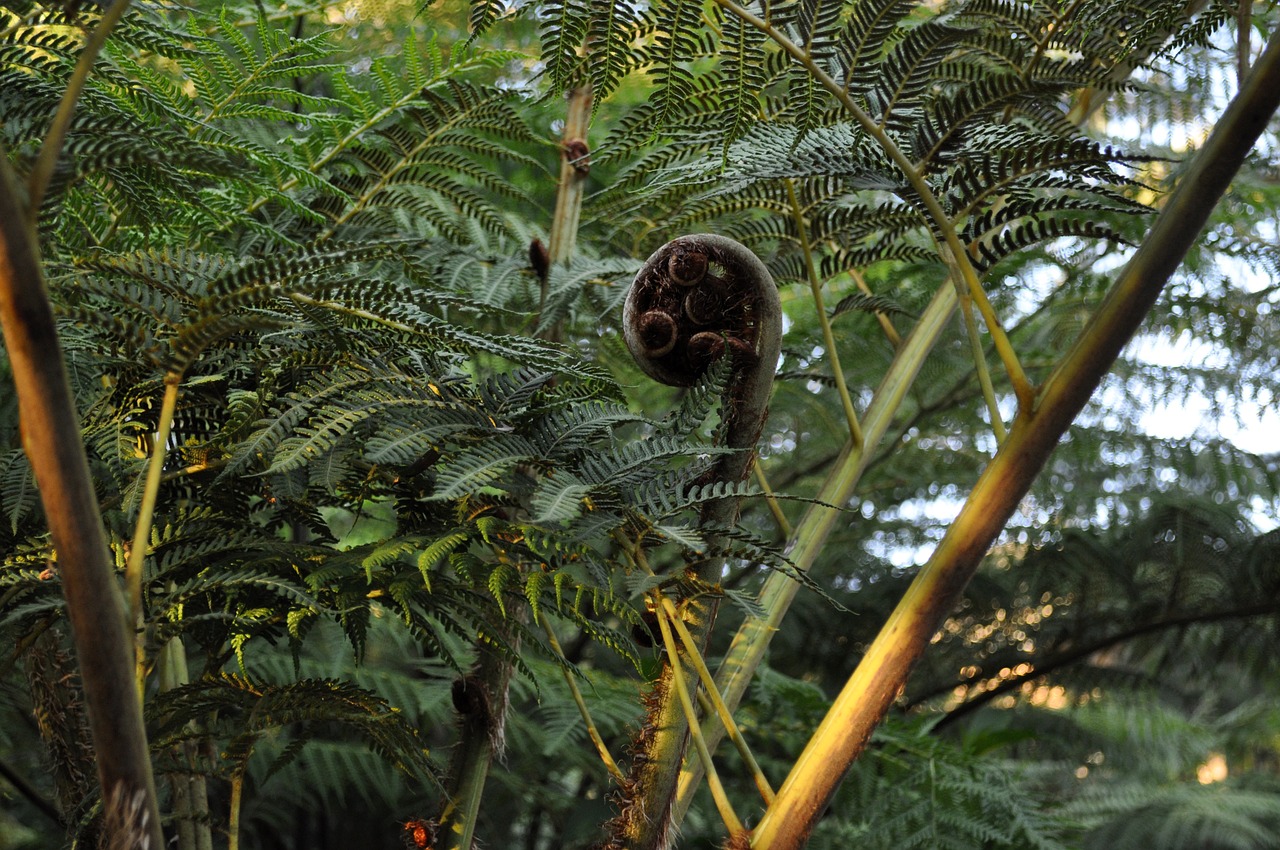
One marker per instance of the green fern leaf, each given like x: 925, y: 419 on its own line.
x: 558, y: 499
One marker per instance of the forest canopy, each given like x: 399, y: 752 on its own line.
x: 921, y: 491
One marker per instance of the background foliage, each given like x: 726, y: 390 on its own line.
x: 390, y: 440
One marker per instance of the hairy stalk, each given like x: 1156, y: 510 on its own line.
x: 142, y: 529
x: 941, y: 222
x: 828, y: 338
x: 878, y: 679
x: 481, y: 699
x: 50, y: 427
x: 575, y: 165
x: 717, y: 704
x: 592, y: 731
x: 233, y: 809
x: 51, y: 147
x: 695, y: 299
x: 723, y: 806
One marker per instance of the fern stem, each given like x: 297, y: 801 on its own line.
x: 941, y: 221
x: 481, y: 698
x: 713, y: 694
x: 51, y: 147
x: 574, y: 168
x: 771, y: 500
x: 828, y: 338
x: 592, y: 731
x: 747, y: 649
x: 1004, y: 348
x: 730, y: 818
x: 188, y: 785
x: 142, y: 529
x: 233, y: 814
x: 875, y: 683
x: 575, y: 165
x: 53, y: 442
x: 980, y: 367
x: 713, y: 289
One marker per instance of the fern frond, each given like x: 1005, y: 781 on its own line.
x: 675, y: 43
x: 867, y: 33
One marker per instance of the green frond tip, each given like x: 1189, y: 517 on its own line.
x: 433, y: 553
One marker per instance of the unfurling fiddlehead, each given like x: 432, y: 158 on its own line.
x: 696, y: 299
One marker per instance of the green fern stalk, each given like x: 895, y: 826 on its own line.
x: 980, y: 368
x: 189, y: 787
x: 784, y: 525
x: 717, y: 703
x: 592, y: 732
x: 133, y: 578
x: 828, y: 338
x: 1035, y: 433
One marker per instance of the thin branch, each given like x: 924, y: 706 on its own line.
x: 828, y: 338
x: 146, y: 510
x: 592, y: 731
x: 51, y: 147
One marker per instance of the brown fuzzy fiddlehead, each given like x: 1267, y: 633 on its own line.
x: 696, y: 299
